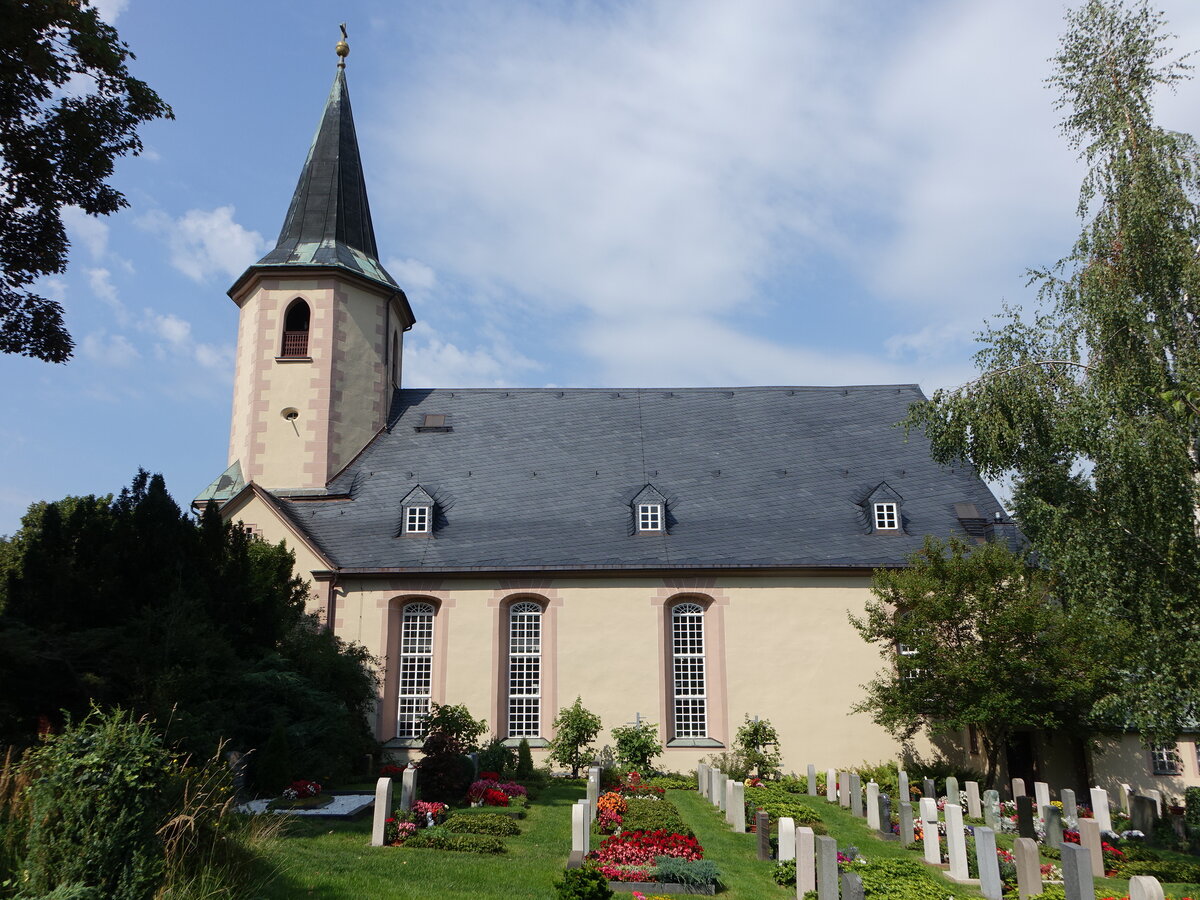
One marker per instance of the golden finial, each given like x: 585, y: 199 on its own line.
x: 342, y: 49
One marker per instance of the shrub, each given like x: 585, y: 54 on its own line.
x: 637, y: 745
x: 1165, y: 870
x: 900, y: 879
x: 446, y: 771
x: 14, y: 816
x: 674, y: 870
x: 524, y: 760
x: 496, y: 757
x: 574, y: 730
x: 653, y: 815
x: 759, y: 743
x: 438, y: 838
x: 96, y: 802
x: 583, y: 884
x: 672, y: 781
x: 785, y: 873
x: 484, y: 823
x: 732, y: 762
x: 271, y: 766
x: 456, y: 721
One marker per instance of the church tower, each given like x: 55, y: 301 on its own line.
x: 321, y: 323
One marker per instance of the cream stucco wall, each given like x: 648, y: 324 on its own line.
x: 1124, y: 759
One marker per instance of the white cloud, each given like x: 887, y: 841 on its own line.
x: 170, y: 328
x: 430, y: 360
x: 87, y: 230
x: 109, y: 350
x: 53, y: 288
x: 204, y: 244
x: 218, y: 358
x: 100, y: 281
x: 110, y: 9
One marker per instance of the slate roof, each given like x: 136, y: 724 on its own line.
x: 755, y: 477
x: 329, y: 220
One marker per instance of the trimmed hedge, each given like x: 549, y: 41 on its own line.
x: 901, y: 879
x: 484, y: 823
x: 654, y: 815
x: 439, y: 839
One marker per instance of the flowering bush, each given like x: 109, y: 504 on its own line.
x: 609, y: 821
x: 396, y: 831
x: 493, y: 797
x: 489, y: 776
x: 426, y: 811
x: 485, y: 790
x: 301, y: 790
x: 634, y: 786
x: 391, y: 771
x: 639, y: 848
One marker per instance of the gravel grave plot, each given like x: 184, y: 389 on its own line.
x: 342, y: 805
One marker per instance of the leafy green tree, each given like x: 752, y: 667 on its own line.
x: 68, y: 109
x: 971, y: 636
x: 574, y: 730
x: 1070, y: 403
x: 524, y: 760
x: 637, y: 745
x: 456, y: 721
x: 758, y: 742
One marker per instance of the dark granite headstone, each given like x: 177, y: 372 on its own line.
x: 1144, y: 816
x: 1052, y: 816
x: 1078, y: 881
x: 762, y: 825
x: 852, y: 887
x: 928, y: 789
x: 1025, y: 826
x: 885, y: 814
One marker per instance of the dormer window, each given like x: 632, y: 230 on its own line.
x: 650, y: 517
x: 416, y: 520
x: 887, y: 516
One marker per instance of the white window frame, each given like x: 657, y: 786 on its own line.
x: 417, y: 519
x: 887, y: 516
x: 524, y: 685
x: 415, y: 682
x: 689, y: 676
x: 1165, y: 760
x: 650, y: 517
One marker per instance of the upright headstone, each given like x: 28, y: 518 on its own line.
x: 1089, y: 839
x: 806, y: 861
x: 929, y: 830
x: 974, y: 808
x: 827, y: 868
x: 856, y: 797
x: 737, y: 804
x: 1041, y: 794
x: 928, y: 788
x: 1018, y: 788
x: 581, y: 828
x: 952, y: 794
x: 902, y: 794
x: 1078, y: 882
x: 593, y: 794
x: 762, y: 828
x: 1157, y: 797
x: 728, y: 802
x: 989, y: 866
x: 787, y: 838
x: 907, y: 832
x: 713, y: 775
x: 873, y: 805
x: 844, y: 789
x: 1025, y: 823
x: 722, y: 787
x: 991, y: 809
x: 831, y: 785
x: 852, y: 886
x: 1144, y: 815
x: 1100, y: 808
x: 1070, y: 810
x: 1145, y: 887
x: 382, y: 811
x: 812, y: 780
x: 474, y: 758
x: 885, y: 817
x: 1029, y: 867
x: 702, y: 779
x: 1126, y: 792
x: 1052, y: 816
x: 956, y: 843
x: 408, y: 789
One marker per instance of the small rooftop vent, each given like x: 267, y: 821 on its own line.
x: 435, y: 422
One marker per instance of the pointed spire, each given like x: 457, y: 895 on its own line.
x: 329, y: 221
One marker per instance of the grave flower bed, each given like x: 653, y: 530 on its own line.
x: 632, y: 855
x: 634, y: 786
x: 426, y: 827
x: 301, y: 795
x: 492, y: 792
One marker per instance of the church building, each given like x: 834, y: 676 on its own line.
x: 688, y: 556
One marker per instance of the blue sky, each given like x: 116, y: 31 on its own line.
x: 573, y: 194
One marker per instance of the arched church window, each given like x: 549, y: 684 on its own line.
x: 295, y: 330
x: 416, y: 669
x: 688, y: 676
x: 525, y: 670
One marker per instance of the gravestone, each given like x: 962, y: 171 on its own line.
x: 728, y: 804
x: 787, y: 838
x: 1100, y: 808
x: 831, y: 785
x: 989, y: 866
x: 1070, y: 810
x: 827, y: 868
x: 812, y: 780
x: 474, y: 758
x: 885, y: 817
x: 852, y: 887
x: 383, y: 810
x: 1144, y: 815
x: 1145, y: 887
x: 856, y: 801
x: 907, y: 832
x: 1157, y: 797
x: 593, y: 794
x: 1126, y: 793
x: 929, y: 830
x: 1025, y: 825
x: 1052, y: 816
x: 872, y: 805
x: 844, y: 789
x: 1041, y: 795
x: 1077, y: 873
x: 1018, y: 788
x: 737, y: 803
x: 714, y: 775
x: 956, y: 843
x: 974, y: 809
x: 762, y: 828
x: 581, y: 828
x: 902, y: 794
x: 928, y: 788
x: 952, y: 794
x: 1029, y: 867
x: 806, y: 861
x: 722, y: 787
x: 702, y: 780
x: 1089, y: 839
x: 408, y: 789
x: 991, y: 809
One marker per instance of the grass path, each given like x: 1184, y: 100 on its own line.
x: 745, y: 877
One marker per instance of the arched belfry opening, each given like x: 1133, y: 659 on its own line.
x: 295, y: 330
